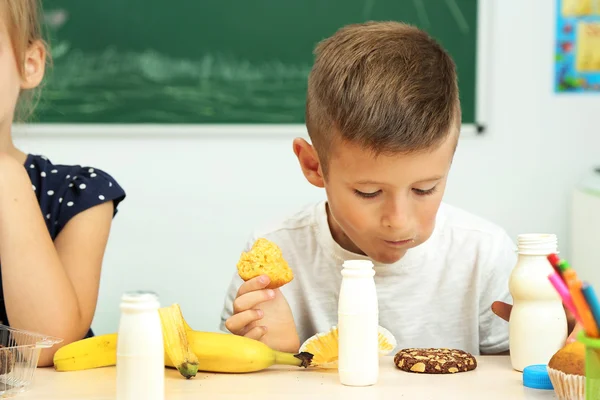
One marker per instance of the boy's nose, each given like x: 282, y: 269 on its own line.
x: 396, y: 216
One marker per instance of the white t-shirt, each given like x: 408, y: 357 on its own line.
x: 438, y: 295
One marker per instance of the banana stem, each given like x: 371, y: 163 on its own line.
x: 303, y: 359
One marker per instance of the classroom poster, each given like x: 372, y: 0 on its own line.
x: 577, y: 59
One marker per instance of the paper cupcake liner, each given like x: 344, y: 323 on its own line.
x: 567, y: 387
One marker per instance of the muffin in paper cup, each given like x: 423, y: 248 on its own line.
x: 567, y: 386
x: 566, y: 370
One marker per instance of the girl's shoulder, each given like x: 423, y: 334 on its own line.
x: 64, y: 191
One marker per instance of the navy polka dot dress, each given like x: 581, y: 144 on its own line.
x: 64, y: 191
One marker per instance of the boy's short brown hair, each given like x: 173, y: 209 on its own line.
x: 386, y: 86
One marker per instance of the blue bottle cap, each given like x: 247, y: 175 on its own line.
x: 536, y: 377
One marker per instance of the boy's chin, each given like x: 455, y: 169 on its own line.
x: 388, y: 257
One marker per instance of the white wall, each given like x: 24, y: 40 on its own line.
x: 192, y: 201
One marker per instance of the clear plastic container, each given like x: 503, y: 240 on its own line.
x: 19, y: 355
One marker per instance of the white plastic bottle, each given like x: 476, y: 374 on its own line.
x: 140, y: 350
x: 358, y: 324
x: 537, y: 324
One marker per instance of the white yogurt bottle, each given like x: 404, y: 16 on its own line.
x: 140, y: 350
x: 537, y: 324
x: 358, y: 323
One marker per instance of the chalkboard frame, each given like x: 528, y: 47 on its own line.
x: 479, y: 128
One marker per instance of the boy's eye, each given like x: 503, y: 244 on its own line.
x: 421, y: 192
x: 366, y: 195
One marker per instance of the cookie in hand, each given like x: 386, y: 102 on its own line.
x: 265, y: 258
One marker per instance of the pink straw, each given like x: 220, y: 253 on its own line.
x: 563, y: 291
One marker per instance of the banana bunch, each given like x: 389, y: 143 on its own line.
x: 185, y: 349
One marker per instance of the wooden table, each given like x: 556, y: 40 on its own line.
x: 493, y: 379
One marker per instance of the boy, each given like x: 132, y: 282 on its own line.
x: 383, y: 116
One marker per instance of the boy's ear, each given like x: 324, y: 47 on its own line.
x: 35, y: 66
x: 309, y: 162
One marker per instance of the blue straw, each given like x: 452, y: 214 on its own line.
x: 592, y: 300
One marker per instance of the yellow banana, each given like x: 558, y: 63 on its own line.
x: 94, y: 352
x: 176, y: 341
x: 227, y: 353
x: 216, y: 352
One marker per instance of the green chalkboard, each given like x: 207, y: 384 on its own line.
x: 216, y: 61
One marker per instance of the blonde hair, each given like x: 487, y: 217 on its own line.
x: 386, y: 86
x: 23, y: 21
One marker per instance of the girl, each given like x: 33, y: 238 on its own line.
x: 54, y: 219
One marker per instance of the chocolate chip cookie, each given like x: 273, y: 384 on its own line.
x: 434, y: 360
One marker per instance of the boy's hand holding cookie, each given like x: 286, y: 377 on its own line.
x: 260, y: 311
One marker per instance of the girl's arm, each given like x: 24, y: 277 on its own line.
x: 50, y: 288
